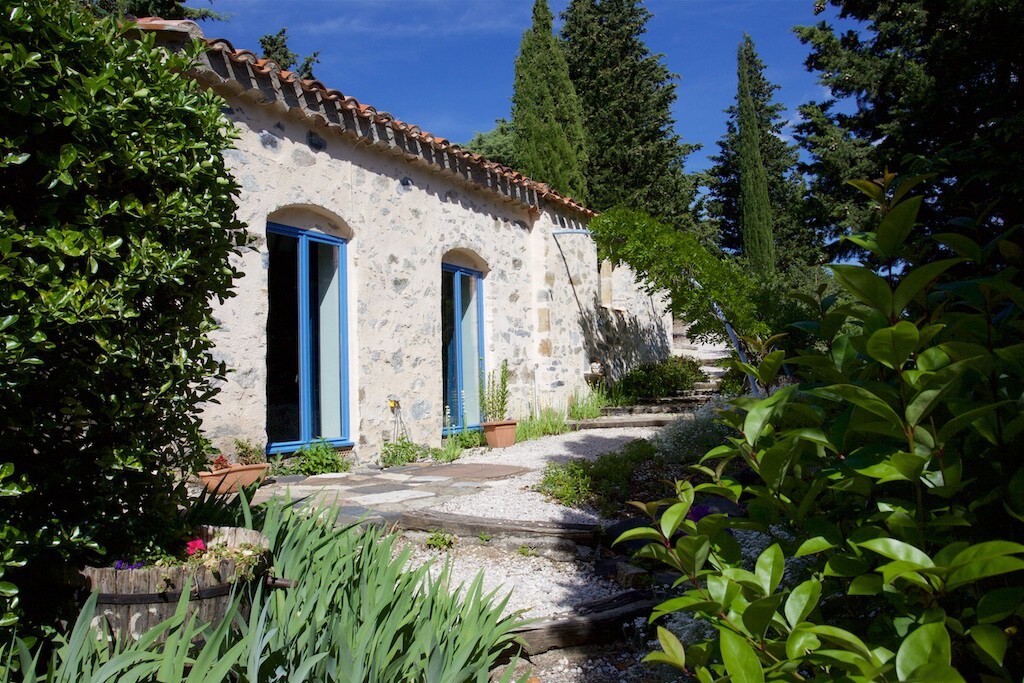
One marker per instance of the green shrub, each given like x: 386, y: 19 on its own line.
x: 669, y: 377
x: 894, y: 464
x: 316, y: 458
x: 402, y: 452
x: 603, y: 483
x: 567, y: 483
x: 549, y: 422
x: 117, y: 220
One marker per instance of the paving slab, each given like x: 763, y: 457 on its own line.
x: 391, y: 497
x: 427, y: 480
x: 393, y: 476
x: 473, y: 471
x: 385, y: 487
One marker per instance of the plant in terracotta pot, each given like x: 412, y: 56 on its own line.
x: 499, y: 431
x: 226, y: 477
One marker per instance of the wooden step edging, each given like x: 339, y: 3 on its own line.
x: 594, y: 622
x: 469, y: 526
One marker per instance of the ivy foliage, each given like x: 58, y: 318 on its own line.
x: 116, y: 228
x: 666, y: 260
x: 892, y: 468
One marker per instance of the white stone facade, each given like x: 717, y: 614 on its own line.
x: 401, y: 219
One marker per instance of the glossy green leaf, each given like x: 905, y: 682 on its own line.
x: 927, y: 644
x: 991, y: 639
x: 673, y: 517
x: 915, y: 281
x: 740, y: 659
x: 813, y: 545
x: 999, y: 603
x: 642, y: 533
x: 759, y: 614
x: 897, y: 225
x: 673, y: 650
x: 769, y: 568
x: 893, y: 346
x: 982, y: 569
x: 865, y: 399
x: 802, y: 601
x: 898, y: 550
x: 868, y: 287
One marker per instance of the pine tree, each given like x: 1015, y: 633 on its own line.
x: 636, y: 158
x: 497, y: 144
x: 547, y: 120
x: 275, y: 48
x: 755, y: 208
x: 797, y: 246
x: 938, y: 89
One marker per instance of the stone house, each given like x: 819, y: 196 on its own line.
x: 392, y: 270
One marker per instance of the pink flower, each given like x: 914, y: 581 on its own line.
x: 194, y: 546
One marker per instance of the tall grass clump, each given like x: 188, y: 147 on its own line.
x: 588, y: 404
x: 548, y: 422
x: 356, y: 613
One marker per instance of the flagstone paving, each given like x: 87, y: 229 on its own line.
x: 381, y: 496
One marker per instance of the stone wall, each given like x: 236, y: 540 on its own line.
x: 542, y: 289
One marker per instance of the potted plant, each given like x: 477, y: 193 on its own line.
x: 499, y: 431
x: 224, y: 477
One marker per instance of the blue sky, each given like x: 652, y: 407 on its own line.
x: 447, y: 65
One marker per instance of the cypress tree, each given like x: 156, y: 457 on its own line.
x: 547, y: 120
x: 797, y: 245
x: 755, y: 208
x: 636, y: 158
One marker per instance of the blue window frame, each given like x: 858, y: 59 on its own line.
x: 462, y: 348
x: 307, y: 339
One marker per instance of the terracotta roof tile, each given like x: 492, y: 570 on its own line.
x: 481, y: 166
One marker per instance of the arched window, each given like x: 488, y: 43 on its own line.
x: 307, y: 339
x: 462, y: 348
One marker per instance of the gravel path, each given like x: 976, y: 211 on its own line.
x: 540, y: 586
x: 514, y: 498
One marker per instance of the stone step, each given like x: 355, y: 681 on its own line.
x: 558, y: 541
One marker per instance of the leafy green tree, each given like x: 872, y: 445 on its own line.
x: 547, y: 120
x: 497, y: 144
x: 636, y: 158
x: 275, y: 48
x: 699, y: 280
x: 755, y: 209
x: 796, y: 245
x: 936, y: 88
x: 166, y: 9
x: 116, y: 227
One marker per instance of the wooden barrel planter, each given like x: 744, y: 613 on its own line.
x: 131, y: 601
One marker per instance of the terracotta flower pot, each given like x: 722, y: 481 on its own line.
x: 230, y: 479
x: 500, y: 433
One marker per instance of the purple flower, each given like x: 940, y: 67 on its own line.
x: 699, y: 512
x: 121, y: 564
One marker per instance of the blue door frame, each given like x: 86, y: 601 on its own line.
x: 456, y: 403
x: 307, y: 383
